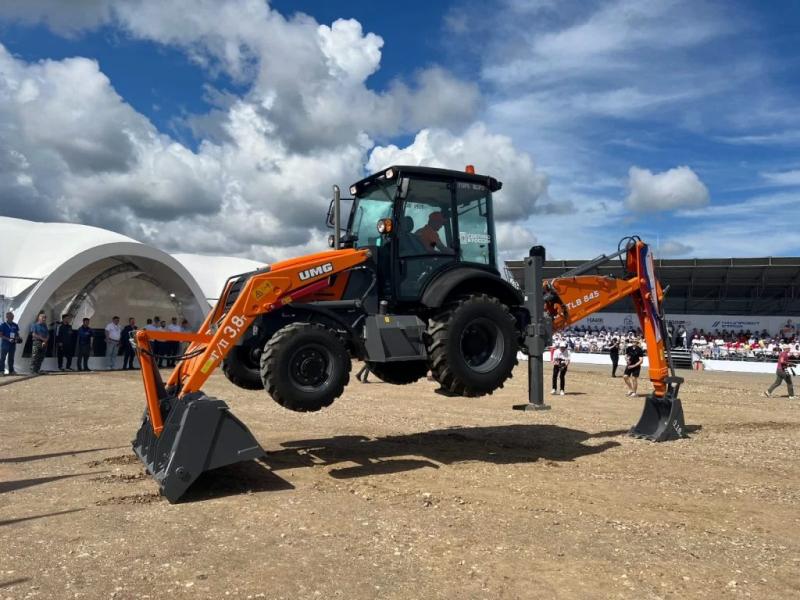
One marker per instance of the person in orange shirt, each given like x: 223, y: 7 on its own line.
x: 430, y: 234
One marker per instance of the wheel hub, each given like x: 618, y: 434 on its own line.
x: 482, y: 345
x: 310, y: 368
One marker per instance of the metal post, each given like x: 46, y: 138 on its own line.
x: 536, y: 336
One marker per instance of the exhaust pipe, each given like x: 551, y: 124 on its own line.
x: 337, y: 217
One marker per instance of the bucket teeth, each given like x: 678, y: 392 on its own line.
x: 200, y: 434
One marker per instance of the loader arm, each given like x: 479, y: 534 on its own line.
x: 266, y: 290
x: 572, y: 298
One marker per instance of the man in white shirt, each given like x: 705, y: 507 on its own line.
x: 173, y: 347
x: 561, y: 359
x: 113, y: 334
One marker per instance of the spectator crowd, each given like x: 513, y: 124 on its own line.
x: 717, y: 344
x: 67, y: 343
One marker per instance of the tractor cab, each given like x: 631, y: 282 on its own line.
x: 419, y: 222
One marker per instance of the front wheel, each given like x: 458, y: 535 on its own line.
x: 305, y: 367
x: 472, y: 346
x: 241, y: 367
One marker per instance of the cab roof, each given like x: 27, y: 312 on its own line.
x: 429, y: 172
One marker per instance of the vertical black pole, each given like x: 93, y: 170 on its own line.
x: 536, y: 334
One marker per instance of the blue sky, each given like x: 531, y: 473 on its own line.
x: 670, y: 119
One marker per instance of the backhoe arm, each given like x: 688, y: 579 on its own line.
x: 572, y: 298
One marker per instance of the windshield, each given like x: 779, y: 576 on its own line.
x: 368, y: 208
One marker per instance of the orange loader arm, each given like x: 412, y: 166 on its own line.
x: 570, y: 299
x: 266, y: 290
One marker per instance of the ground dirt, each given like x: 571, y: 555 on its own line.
x: 398, y: 492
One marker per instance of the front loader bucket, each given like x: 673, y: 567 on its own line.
x: 200, y: 434
x: 662, y: 418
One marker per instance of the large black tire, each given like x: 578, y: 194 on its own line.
x: 242, y: 368
x: 399, y: 373
x: 472, y: 346
x: 305, y: 367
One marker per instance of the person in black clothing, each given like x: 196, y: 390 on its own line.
x: 85, y: 334
x: 128, y: 350
x: 635, y: 356
x: 613, y: 352
x: 65, y: 343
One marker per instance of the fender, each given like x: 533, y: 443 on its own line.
x: 469, y: 279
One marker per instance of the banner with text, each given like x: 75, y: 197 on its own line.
x: 626, y: 321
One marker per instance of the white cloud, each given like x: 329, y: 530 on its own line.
x: 491, y: 154
x: 676, y: 188
x: 259, y: 180
x: 783, y: 178
x: 350, y: 54
x: 673, y: 248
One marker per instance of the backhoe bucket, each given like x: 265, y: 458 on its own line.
x: 200, y: 434
x: 662, y: 418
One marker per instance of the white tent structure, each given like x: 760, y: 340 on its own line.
x: 211, y: 272
x: 65, y: 268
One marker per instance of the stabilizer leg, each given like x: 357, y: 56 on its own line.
x: 662, y: 418
x: 200, y: 434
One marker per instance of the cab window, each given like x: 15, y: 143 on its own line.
x: 475, y: 235
x: 424, y: 225
x: 368, y: 209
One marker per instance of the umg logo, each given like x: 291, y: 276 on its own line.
x: 316, y: 271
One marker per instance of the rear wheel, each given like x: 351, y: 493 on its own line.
x: 305, y: 367
x: 242, y: 368
x: 472, y: 346
x: 399, y: 373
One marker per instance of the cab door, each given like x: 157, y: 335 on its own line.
x: 426, y: 235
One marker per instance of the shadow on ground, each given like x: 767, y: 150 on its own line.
x: 32, y: 457
x: 34, y: 517
x: 504, y: 444
x: 11, y: 486
x: 240, y: 478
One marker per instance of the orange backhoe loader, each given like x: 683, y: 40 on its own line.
x: 410, y: 285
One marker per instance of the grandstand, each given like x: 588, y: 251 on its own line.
x: 708, y: 286
x: 744, y: 305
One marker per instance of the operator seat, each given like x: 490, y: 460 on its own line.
x: 410, y: 244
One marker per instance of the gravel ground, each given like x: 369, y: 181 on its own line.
x: 397, y: 492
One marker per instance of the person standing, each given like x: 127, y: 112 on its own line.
x: 9, y: 338
x: 185, y: 328
x: 634, y: 357
x: 163, y: 346
x: 782, y: 373
x: 173, y: 346
x: 561, y: 358
x: 41, y: 335
x: 85, y: 335
x: 697, y: 357
x: 113, y: 335
x: 128, y: 348
x: 65, y: 344
x: 613, y: 352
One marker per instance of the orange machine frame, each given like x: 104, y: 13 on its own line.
x: 570, y: 299
x: 275, y: 286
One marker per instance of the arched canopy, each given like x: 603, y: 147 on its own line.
x: 57, y: 267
